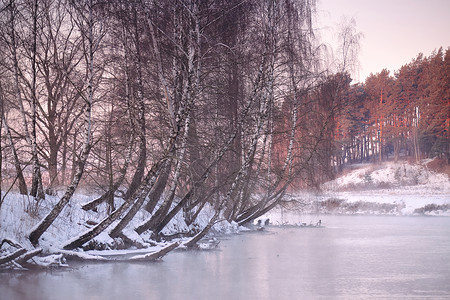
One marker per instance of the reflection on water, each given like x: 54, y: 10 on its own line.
x: 353, y: 257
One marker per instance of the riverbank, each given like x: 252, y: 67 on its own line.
x: 385, y: 189
x: 390, y: 188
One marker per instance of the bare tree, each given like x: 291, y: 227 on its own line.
x: 36, y: 184
x: 11, y: 44
x: 87, y: 30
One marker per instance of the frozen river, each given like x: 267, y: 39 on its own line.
x: 352, y: 257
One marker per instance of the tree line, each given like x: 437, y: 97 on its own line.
x: 402, y: 115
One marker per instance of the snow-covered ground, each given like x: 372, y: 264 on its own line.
x: 18, y: 216
x: 409, y: 186
x: 391, y: 177
x: 390, y: 188
x: 16, y: 223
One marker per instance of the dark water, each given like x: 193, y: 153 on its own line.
x: 351, y: 258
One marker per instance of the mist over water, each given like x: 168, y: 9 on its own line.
x: 352, y: 257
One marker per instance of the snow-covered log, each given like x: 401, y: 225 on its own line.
x: 193, y: 241
x: 28, y: 255
x: 157, y: 254
x: 12, y: 256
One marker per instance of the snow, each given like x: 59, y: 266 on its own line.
x: 122, y: 252
x: 400, y: 177
x: 55, y: 260
x: 16, y: 224
x: 410, y: 186
x: 79, y: 255
x: 389, y: 188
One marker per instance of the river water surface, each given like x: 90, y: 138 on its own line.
x: 352, y: 257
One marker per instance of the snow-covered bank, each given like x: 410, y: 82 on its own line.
x: 381, y: 189
x: 406, y: 187
x: 391, y: 177
x: 18, y: 215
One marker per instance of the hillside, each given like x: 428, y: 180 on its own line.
x: 394, y: 188
x: 390, y: 176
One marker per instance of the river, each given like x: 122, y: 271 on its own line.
x: 352, y: 257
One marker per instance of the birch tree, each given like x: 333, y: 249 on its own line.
x: 36, y: 185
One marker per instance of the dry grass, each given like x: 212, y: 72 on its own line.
x: 439, y: 165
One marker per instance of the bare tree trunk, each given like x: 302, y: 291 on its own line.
x: 245, y: 170
x: 27, y: 256
x: 158, y: 189
x: 273, y: 193
x: 261, y: 210
x: 156, y: 255
x: 196, y: 185
x: 113, y: 188
x: 109, y: 195
x: 148, y: 185
x: 189, y: 86
x: 1, y: 147
x: 10, y: 257
x: 18, y: 99
x: 22, y: 185
x: 36, y: 184
x: 135, y: 182
x: 99, y: 228
x: 64, y: 161
x: 193, y: 242
x: 162, y: 79
x: 165, y: 206
x: 115, y: 185
x: 16, y: 71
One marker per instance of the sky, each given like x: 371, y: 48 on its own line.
x: 394, y: 31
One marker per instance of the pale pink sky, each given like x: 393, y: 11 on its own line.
x: 395, y: 31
